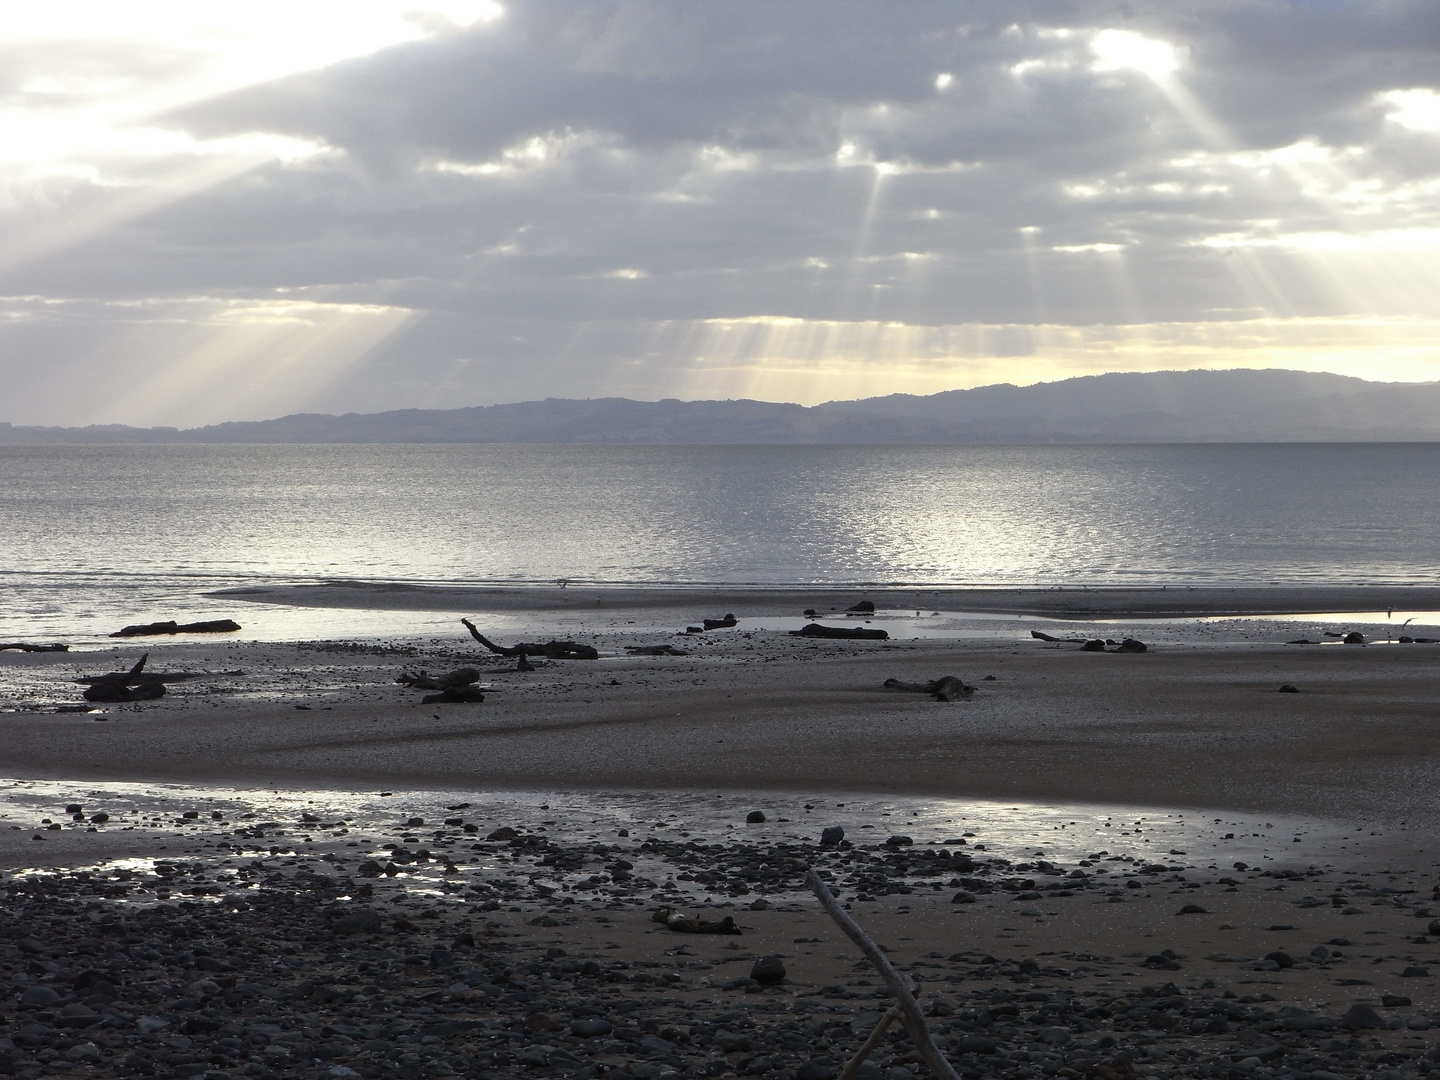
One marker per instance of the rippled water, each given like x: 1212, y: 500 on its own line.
x: 108, y: 532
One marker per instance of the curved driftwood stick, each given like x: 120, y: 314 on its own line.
x: 905, y: 1001
x: 853, y: 1065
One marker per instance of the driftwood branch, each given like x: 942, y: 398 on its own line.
x: 25, y: 646
x: 905, y: 1002
x: 947, y: 688
x: 552, y: 650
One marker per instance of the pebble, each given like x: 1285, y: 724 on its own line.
x: 287, y: 980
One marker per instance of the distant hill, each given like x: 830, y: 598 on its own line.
x: 1152, y: 407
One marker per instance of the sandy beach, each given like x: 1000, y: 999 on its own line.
x: 1089, y: 796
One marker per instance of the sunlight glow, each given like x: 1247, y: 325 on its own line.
x: 215, y: 358
x: 1417, y: 110
x: 809, y: 361
x: 1121, y: 50
x: 81, y: 145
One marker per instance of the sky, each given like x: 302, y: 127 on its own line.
x: 217, y: 212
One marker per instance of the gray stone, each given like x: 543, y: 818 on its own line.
x: 357, y: 920
x: 817, y: 1068
x: 831, y: 836
x: 768, y: 971
x: 1360, y: 1017
x: 974, y: 1044
x: 39, y: 997
x: 590, y: 1027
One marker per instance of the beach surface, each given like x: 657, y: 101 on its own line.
x: 1033, y: 841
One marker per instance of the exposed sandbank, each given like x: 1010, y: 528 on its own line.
x: 1054, y: 602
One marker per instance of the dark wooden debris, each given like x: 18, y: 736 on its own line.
x: 864, y: 607
x: 214, y: 626
x: 25, y: 646
x: 420, y: 680
x: 854, y: 632
x: 712, y: 624
x: 125, y: 685
x: 656, y: 650
x: 551, y: 650
x: 947, y: 688
x: 689, y: 924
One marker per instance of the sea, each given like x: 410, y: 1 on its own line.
x: 94, y: 537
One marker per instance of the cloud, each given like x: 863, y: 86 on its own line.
x: 560, y: 184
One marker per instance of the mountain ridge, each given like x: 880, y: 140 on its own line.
x: 1237, y: 405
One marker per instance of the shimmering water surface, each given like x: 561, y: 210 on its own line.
x: 99, y: 533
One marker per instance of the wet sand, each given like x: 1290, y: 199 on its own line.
x: 1055, y: 602
x: 1196, y: 722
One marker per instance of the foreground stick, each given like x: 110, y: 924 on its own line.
x: 552, y: 650
x: 905, y: 1002
x: 877, y: 1036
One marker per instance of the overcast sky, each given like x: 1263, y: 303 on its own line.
x: 236, y: 211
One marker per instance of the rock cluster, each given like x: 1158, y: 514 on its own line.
x: 360, y: 965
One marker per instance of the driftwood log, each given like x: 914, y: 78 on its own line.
x: 125, y: 685
x: 905, y: 1003
x: 420, y: 680
x: 853, y: 632
x: 1040, y: 635
x: 214, y: 626
x: 25, y: 646
x: 656, y: 650
x: 712, y: 624
x: 137, y: 684
x: 688, y: 924
x: 551, y: 650
x: 947, y: 688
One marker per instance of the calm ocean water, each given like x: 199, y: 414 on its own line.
x: 96, y: 534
